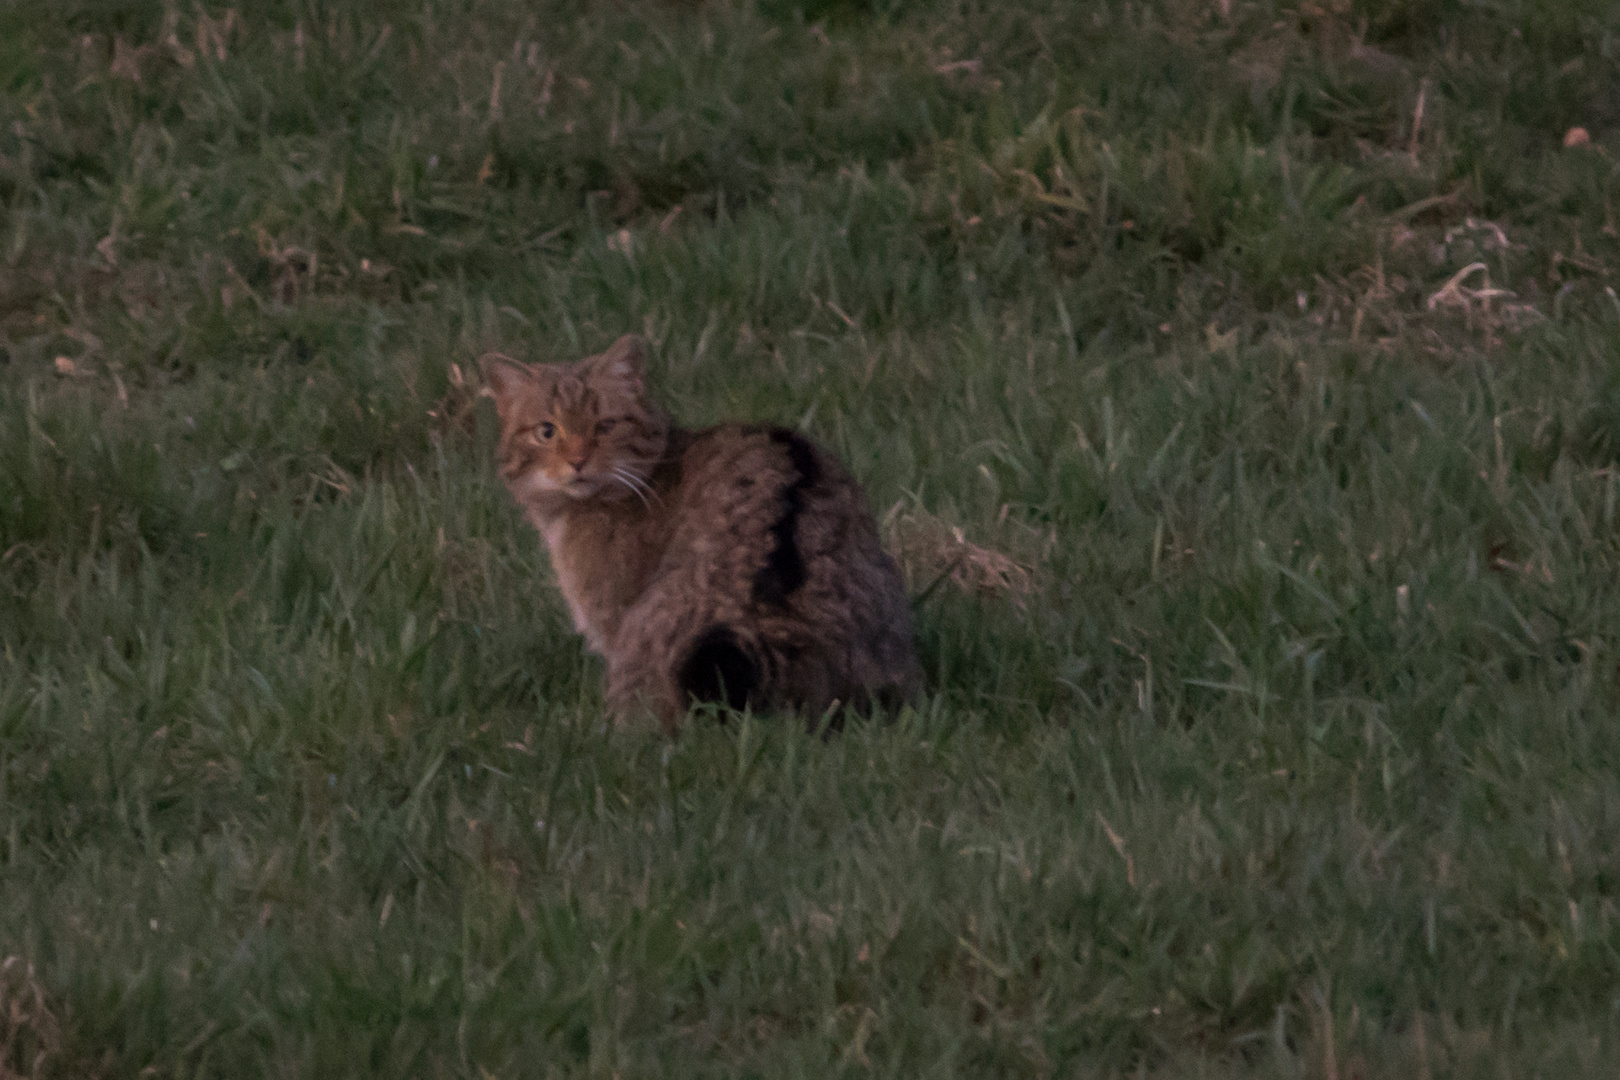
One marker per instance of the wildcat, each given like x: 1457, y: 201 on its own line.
x: 737, y: 564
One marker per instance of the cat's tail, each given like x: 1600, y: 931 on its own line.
x: 764, y: 670
x: 720, y: 667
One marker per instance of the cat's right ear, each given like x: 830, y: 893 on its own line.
x: 504, y: 379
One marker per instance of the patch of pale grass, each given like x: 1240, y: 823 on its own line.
x: 931, y: 551
x: 30, y: 1032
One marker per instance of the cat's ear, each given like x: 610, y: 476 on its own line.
x: 504, y: 379
x: 622, y: 362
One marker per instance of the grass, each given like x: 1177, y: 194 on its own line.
x: 1276, y: 341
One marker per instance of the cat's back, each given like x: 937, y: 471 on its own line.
x: 773, y: 540
x: 774, y: 527
x: 774, y: 501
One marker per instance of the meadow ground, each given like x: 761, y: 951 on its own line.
x: 1275, y: 343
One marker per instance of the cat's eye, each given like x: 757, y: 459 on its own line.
x: 605, y: 426
x: 544, y: 430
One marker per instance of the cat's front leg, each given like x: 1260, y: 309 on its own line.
x: 638, y: 693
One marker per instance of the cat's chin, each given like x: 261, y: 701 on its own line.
x: 538, y: 485
x: 581, y: 489
x: 541, y: 490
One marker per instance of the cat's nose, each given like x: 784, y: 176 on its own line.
x: 576, y: 458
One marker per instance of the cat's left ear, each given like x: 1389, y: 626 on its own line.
x: 623, y: 362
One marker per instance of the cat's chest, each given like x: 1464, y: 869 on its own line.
x: 599, y: 562
x: 571, y: 577
x: 551, y: 531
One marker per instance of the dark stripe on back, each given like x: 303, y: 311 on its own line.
x: 784, y: 570
x: 718, y: 669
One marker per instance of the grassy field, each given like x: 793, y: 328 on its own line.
x: 1275, y: 341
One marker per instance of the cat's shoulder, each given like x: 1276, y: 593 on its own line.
x: 750, y: 444
x: 760, y: 451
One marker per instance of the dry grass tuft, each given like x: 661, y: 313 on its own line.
x: 29, y: 1032
x: 931, y: 552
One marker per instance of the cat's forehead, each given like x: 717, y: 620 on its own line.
x: 562, y: 391
x: 549, y: 387
x: 572, y: 394
x: 589, y: 385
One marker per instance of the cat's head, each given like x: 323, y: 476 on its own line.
x: 582, y: 430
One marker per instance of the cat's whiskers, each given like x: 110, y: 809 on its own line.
x: 641, y: 482
x: 637, y: 485
x: 634, y: 492
x: 636, y: 480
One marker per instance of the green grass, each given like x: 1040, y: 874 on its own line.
x: 1299, y: 761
